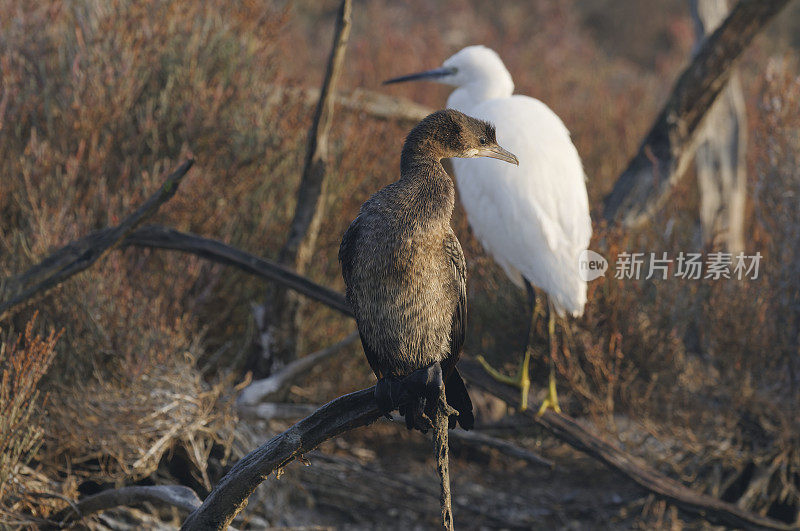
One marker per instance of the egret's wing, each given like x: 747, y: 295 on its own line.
x: 534, y: 218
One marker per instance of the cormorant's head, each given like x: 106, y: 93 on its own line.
x: 450, y: 133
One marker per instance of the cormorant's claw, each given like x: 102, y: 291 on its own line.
x: 415, y: 396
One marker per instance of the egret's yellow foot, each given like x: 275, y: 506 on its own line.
x: 521, y: 380
x: 551, y: 400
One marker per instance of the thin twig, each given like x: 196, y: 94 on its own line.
x: 441, y: 451
x: 478, y: 439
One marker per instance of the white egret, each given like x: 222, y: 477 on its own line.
x: 533, y: 219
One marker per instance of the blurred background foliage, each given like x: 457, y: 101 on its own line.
x: 99, y: 99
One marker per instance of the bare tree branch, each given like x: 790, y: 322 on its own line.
x: 569, y: 431
x: 81, y: 254
x: 375, y: 104
x: 165, y: 238
x: 667, y: 149
x: 276, y: 343
x: 177, y: 496
x: 309, y: 210
x: 476, y: 438
x: 359, y: 409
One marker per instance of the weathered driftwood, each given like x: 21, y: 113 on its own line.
x: 174, y: 495
x: 668, y: 147
x: 81, y: 254
x: 275, y: 411
x: 278, y: 318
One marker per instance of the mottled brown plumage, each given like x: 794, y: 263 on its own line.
x: 402, y: 264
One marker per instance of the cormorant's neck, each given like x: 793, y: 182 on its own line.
x: 429, y: 191
x: 419, y: 161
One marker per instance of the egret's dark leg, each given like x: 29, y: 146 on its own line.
x: 551, y: 400
x: 522, y: 378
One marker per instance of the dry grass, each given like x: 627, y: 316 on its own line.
x: 23, y: 362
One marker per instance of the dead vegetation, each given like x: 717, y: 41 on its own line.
x: 98, y: 100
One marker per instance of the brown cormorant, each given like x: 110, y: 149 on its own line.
x: 405, y: 271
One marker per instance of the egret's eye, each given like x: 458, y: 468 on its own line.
x: 483, y: 141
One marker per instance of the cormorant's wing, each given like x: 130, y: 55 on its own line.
x: 459, y: 327
x: 456, y: 391
x: 347, y: 257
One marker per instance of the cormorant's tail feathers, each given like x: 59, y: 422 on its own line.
x: 458, y: 398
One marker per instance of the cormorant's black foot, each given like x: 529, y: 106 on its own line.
x: 415, y: 396
x: 423, y: 387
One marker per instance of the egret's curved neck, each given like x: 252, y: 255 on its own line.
x: 467, y: 96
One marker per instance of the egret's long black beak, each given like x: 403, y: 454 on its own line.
x: 434, y: 74
x: 496, y: 152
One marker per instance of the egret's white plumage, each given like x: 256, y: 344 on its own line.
x: 532, y: 219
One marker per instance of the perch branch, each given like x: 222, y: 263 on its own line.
x: 667, y: 149
x: 177, y: 496
x: 267, y: 388
x: 81, y: 254
x: 230, y: 495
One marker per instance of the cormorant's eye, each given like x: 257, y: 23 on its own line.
x: 483, y: 141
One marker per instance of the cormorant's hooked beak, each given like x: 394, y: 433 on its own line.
x: 434, y: 75
x: 496, y: 152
